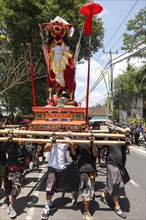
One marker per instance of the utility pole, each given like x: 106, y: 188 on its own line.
x: 111, y: 78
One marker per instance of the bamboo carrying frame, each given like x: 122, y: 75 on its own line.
x: 15, y: 135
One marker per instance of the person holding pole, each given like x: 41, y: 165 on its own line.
x: 115, y: 162
x: 86, y: 161
x: 16, y: 154
x: 2, y: 163
x: 56, y: 167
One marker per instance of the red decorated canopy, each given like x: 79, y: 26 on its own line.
x: 89, y: 10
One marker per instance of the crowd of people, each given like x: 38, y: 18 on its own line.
x: 138, y: 134
x: 11, y: 119
x: 137, y: 131
x: 15, y: 159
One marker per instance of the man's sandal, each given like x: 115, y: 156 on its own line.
x: 120, y: 213
x: 104, y: 200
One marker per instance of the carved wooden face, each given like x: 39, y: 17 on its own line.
x: 57, y: 29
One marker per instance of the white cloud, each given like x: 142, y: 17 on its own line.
x: 98, y: 95
x: 121, y: 66
x: 81, y: 78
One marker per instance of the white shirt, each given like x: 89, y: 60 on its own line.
x: 58, y: 155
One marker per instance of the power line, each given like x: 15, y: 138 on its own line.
x: 100, y: 77
x: 118, y: 41
x: 137, y: 52
x: 122, y: 23
x: 108, y: 66
x: 119, y: 28
x: 117, y: 31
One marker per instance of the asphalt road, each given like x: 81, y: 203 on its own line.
x: 31, y: 201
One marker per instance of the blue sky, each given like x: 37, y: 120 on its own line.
x: 115, y: 13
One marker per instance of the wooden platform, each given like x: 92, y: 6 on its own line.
x: 48, y: 118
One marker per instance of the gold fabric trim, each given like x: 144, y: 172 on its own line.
x: 59, y: 66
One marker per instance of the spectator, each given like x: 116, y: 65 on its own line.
x: 132, y: 129
x: 136, y: 134
x: 141, y: 128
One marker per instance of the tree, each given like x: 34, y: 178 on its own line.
x: 22, y: 18
x: 129, y: 86
x: 136, y: 33
x: 19, y: 98
x: 17, y: 72
x: 19, y: 23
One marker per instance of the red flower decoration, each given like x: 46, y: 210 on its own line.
x: 89, y: 10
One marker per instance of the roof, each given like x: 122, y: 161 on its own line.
x: 99, y: 110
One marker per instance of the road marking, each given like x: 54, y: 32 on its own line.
x: 138, y: 150
x: 35, y: 195
x: 134, y: 183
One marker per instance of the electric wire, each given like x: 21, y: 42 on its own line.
x: 106, y: 68
x: 116, y: 32
x: 101, y: 77
x: 113, y: 63
x: 122, y: 22
x: 119, y: 27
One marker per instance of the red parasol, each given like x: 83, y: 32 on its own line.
x: 89, y: 10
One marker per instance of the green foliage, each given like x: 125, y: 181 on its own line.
x: 116, y: 114
x: 24, y: 16
x: 132, y: 84
x: 19, y: 98
x: 127, y: 87
x: 19, y: 23
x: 136, y: 32
x: 141, y: 80
x: 132, y: 120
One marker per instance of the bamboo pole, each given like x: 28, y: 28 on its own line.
x: 18, y: 126
x: 71, y: 134
x: 41, y: 141
x: 122, y: 130
x: 9, y: 126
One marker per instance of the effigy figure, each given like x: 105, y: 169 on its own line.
x: 59, y: 60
